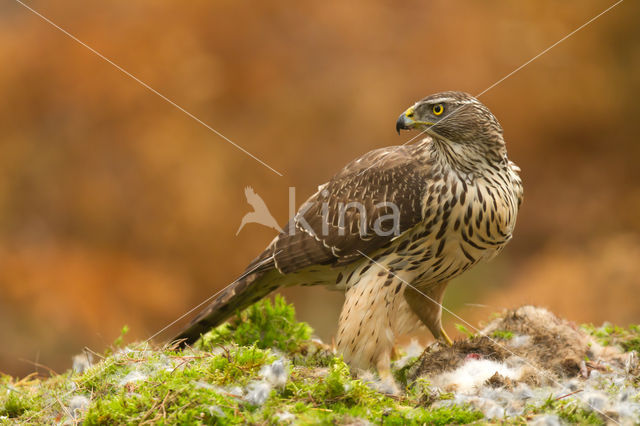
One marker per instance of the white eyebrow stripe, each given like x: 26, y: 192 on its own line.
x: 452, y: 101
x: 440, y: 100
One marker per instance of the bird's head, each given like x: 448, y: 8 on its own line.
x: 454, y: 117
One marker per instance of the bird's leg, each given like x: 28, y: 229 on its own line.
x: 427, y: 305
x: 445, y: 336
x: 383, y: 365
x: 365, y: 329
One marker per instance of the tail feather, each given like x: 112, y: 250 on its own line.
x: 262, y: 279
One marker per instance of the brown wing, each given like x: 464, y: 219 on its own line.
x: 361, y: 194
x: 389, y: 175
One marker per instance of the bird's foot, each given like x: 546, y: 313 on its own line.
x: 387, y: 383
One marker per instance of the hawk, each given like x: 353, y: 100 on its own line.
x: 391, y: 229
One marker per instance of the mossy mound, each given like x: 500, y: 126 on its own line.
x: 260, y: 368
x: 263, y: 368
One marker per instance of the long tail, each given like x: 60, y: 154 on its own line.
x: 245, y: 291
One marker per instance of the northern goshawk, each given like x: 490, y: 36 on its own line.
x: 391, y: 229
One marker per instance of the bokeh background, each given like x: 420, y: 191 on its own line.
x: 116, y: 208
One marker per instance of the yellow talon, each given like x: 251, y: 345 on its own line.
x: 446, y: 337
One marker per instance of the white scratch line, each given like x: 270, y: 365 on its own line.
x: 142, y: 83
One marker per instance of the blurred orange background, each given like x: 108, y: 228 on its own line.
x: 117, y: 208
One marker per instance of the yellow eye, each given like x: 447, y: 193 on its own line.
x: 438, y: 109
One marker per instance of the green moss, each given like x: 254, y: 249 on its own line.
x: 608, y: 334
x: 570, y: 411
x: 123, y: 332
x: 173, y: 388
x: 163, y: 400
x: 264, y: 324
x: 402, y: 374
x: 502, y: 334
x: 338, y: 386
x: 209, y: 384
x: 198, y: 390
x: 15, y: 404
x: 312, y: 354
x: 97, y: 379
x: 31, y: 400
x: 142, y: 384
x: 238, y: 365
x: 462, y: 329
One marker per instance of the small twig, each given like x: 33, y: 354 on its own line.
x: 191, y: 356
x: 87, y: 349
x: 66, y: 410
x: 226, y: 351
x: 27, y: 378
x: 175, y: 344
x: 184, y: 361
x: 153, y: 407
x: 569, y: 394
x: 131, y: 361
x: 37, y: 364
x: 231, y: 395
x: 162, y: 406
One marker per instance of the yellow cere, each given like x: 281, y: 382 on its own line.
x: 409, y: 113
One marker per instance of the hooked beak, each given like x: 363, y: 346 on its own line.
x: 404, y: 123
x: 407, y: 121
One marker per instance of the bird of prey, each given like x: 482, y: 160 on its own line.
x: 441, y: 205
